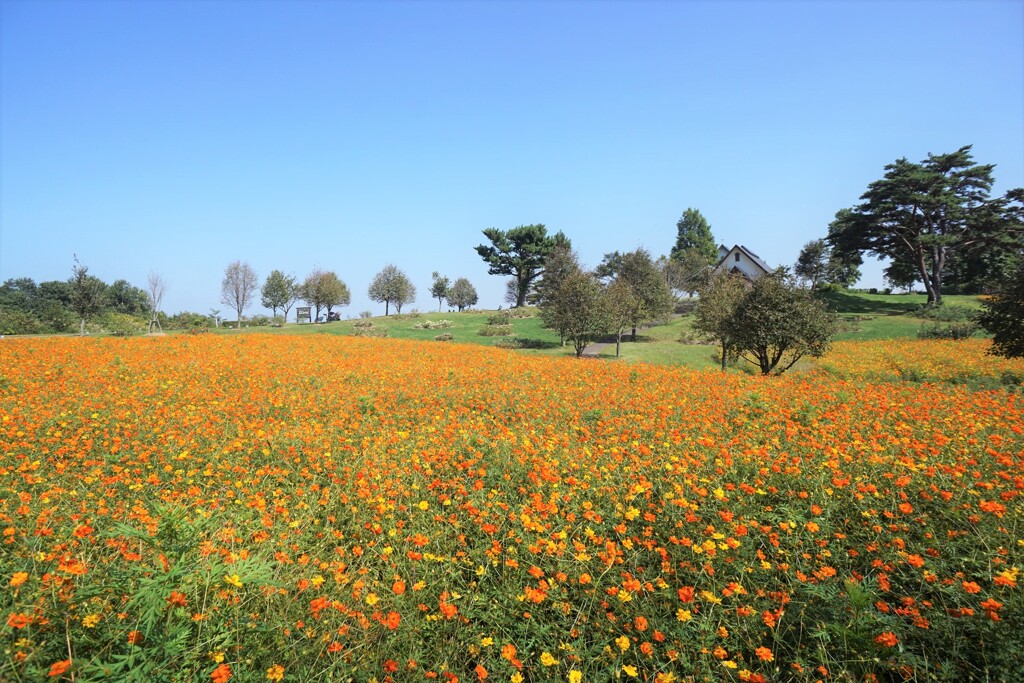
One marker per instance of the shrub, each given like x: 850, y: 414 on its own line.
x: 496, y: 330
x: 258, y: 321
x: 362, y: 324
x: 948, y: 313
x: 121, y: 324
x: 371, y: 332
x: 366, y: 314
x: 17, y: 322
x: 951, y: 331
x: 445, y: 336
x: 522, y: 312
x: 186, y: 320
x: 500, y: 318
x: 433, y: 325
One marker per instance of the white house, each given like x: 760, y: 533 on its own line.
x: 741, y: 261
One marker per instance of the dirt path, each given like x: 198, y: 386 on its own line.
x: 595, y: 349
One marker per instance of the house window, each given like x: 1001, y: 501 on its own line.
x: 737, y: 256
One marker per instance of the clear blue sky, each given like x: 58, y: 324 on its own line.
x: 181, y: 136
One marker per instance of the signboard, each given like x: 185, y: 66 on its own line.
x: 302, y: 314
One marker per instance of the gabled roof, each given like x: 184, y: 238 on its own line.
x: 751, y: 255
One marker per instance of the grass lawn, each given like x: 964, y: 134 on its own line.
x: 865, y: 317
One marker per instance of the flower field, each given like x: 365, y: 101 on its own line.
x: 317, y: 508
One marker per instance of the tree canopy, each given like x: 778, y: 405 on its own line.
x: 520, y: 252
x: 925, y: 212
x: 770, y: 323
x: 391, y: 286
x: 278, y: 291
x: 86, y: 294
x: 439, y: 288
x: 652, y: 299
x: 323, y: 289
x: 694, y: 234
x: 1002, y: 316
x: 577, y: 309
x: 462, y: 294
x: 238, y: 287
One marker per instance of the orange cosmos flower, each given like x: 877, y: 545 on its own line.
x: 887, y: 639
x: 222, y: 674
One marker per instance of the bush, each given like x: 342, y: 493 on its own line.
x: 522, y: 312
x: 500, y: 318
x: 258, y: 321
x: 371, y: 331
x: 951, y: 331
x: 366, y: 314
x: 121, y: 325
x: 444, y: 337
x: 187, y: 320
x: 433, y: 325
x: 363, y: 324
x: 948, y: 314
x: 496, y: 331
x: 17, y: 322
x: 407, y: 316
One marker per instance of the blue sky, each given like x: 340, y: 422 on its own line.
x: 180, y: 136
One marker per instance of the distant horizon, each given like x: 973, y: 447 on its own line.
x: 180, y: 137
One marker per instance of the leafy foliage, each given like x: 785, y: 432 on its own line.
x: 86, y: 294
x: 391, y: 286
x: 238, y: 287
x: 462, y: 294
x: 1002, y: 316
x: 325, y: 290
x: 279, y: 291
x: 439, y: 288
x: 694, y: 236
x: 520, y: 252
x: 577, y: 309
x: 925, y: 213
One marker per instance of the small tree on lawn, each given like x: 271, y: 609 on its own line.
x: 439, y: 288
x: 156, y: 289
x: 391, y: 286
x: 1002, y: 315
x: 278, y: 292
x: 238, y: 288
x: 462, y: 294
x: 718, y: 300
x: 621, y: 303
x: 776, y: 323
x: 579, y: 308
x: 86, y: 294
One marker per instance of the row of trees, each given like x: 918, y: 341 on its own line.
x: 323, y: 290
x: 57, y: 306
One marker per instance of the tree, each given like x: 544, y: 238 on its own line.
x: 561, y: 262
x: 86, y: 294
x: 812, y: 263
x: 155, y: 296
x: 279, y: 291
x: 718, y: 300
x: 238, y: 288
x: 694, y: 234
x: 520, y: 252
x: 925, y: 212
x: 652, y: 299
x: 462, y: 294
x: 685, y: 274
x: 621, y: 304
x: 391, y: 286
x: 775, y: 324
x: 123, y: 297
x: 1002, y: 315
x: 579, y: 308
x: 901, y: 274
x: 323, y: 289
x: 439, y: 288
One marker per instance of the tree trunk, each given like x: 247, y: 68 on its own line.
x: 618, y: 342
x: 81, y: 330
x: 386, y: 302
x: 723, y: 355
x: 633, y: 337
